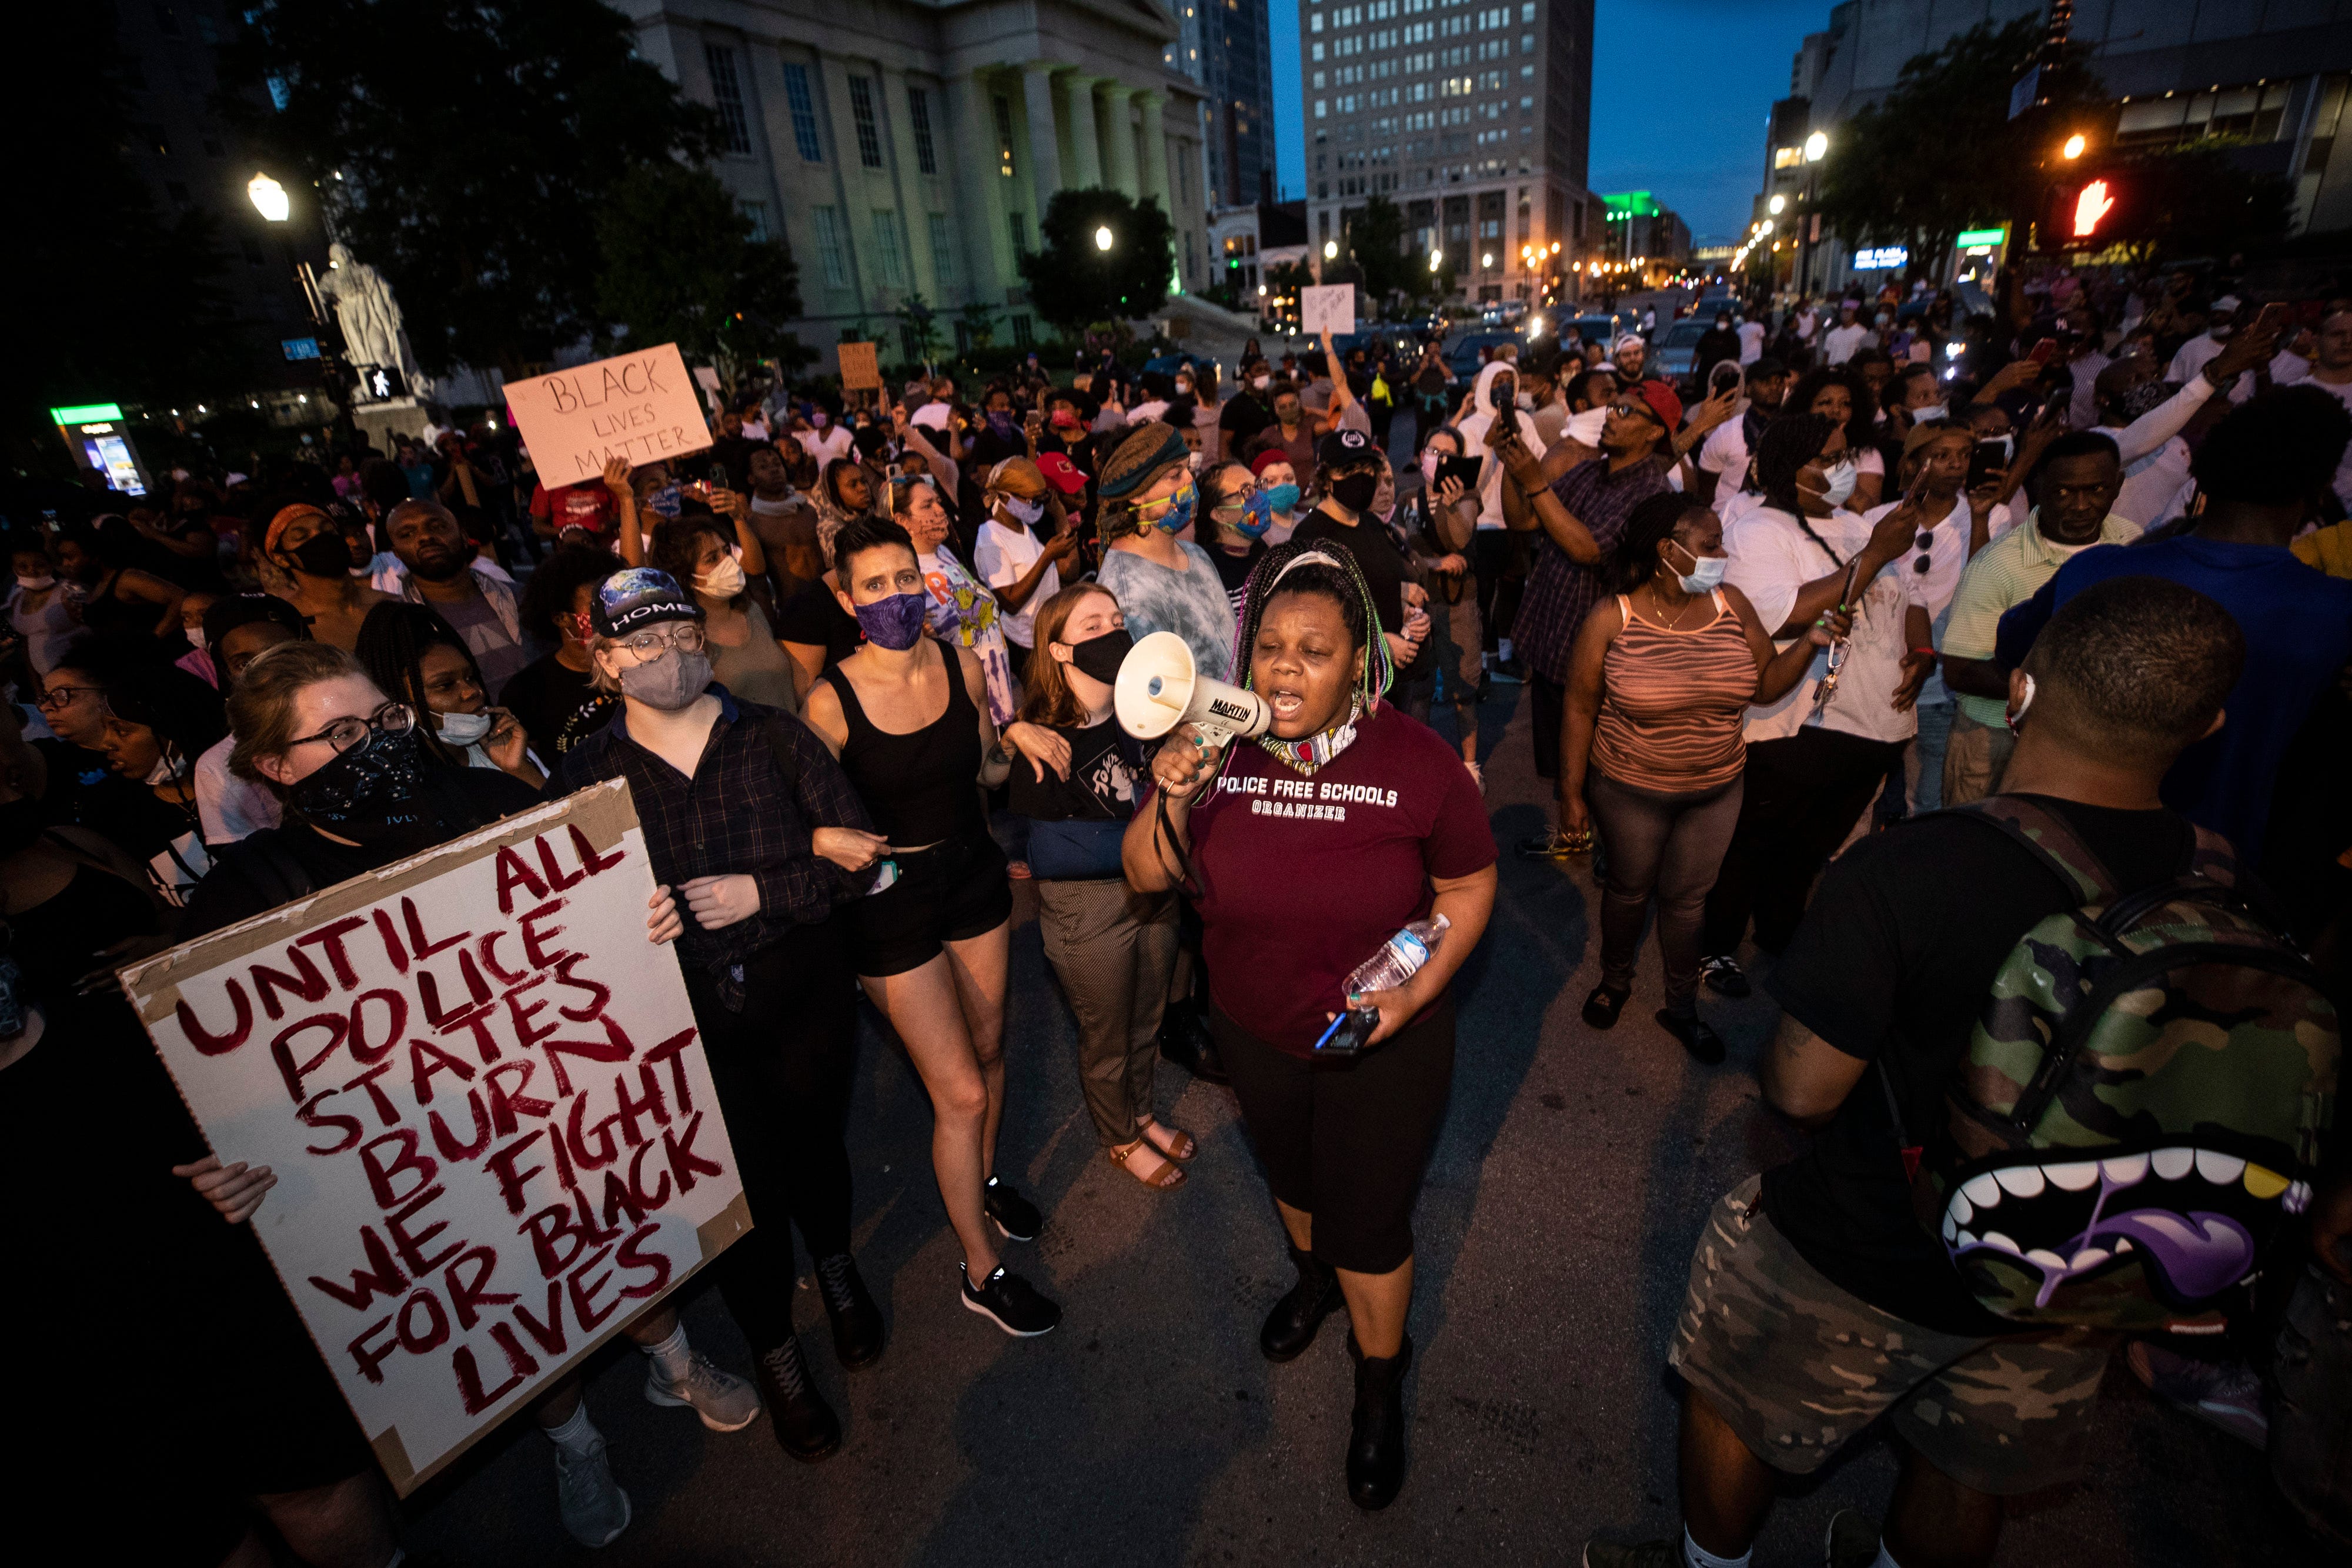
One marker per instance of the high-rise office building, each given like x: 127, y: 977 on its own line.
x: 1474, y: 117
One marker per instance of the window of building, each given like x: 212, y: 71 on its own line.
x: 1788, y: 157
x: 1004, y: 135
x: 1020, y: 233
x: 756, y: 214
x: 861, y: 109
x: 831, y: 253
x: 728, y: 94
x: 891, y: 248
x: 943, y: 253
x: 1023, y: 336
x: 804, y: 108
x: 919, y: 109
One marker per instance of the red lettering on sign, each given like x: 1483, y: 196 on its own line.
x: 615, y: 1047
x: 369, y: 1357
x: 451, y: 1149
x: 392, y: 948
x: 411, y: 1247
x: 502, y: 1164
x: 428, y: 990
x: 630, y: 1109
x: 382, y: 1277
x: 505, y: 1104
x: 498, y: 972
x: 673, y: 1050
x: 417, y: 944
x: 281, y: 1049
x: 396, y: 1006
x: 590, y: 861
x: 436, y: 1332
x: 683, y: 1161
x: 550, y: 1334
x: 660, y: 1194
x: 556, y: 879
x: 350, y: 1126
x: 208, y: 1043
x: 424, y: 1060
x: 330, y: 939
x: 551, y: 1227
x: 656, y: 1264
x: 379, y: 1174
x: 514, y: 873
x: 535, y: 941
x: 583, y: 1295
x: 592, y: 1156
x: 468, y: 1295
x: 619, y: 1200
x: 306, y: 982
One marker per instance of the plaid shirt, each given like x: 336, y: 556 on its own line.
x: 1559, y: 592
x: 736, y: 814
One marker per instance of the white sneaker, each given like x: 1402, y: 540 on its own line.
x: 725, y: 1403
x: 594, y: 1508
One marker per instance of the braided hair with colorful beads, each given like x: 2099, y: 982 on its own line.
x: 1330, y: 571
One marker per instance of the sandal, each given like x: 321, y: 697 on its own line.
x: 1180, y: 1145
x: 1602, y: 1008
x: 1170, y: 1174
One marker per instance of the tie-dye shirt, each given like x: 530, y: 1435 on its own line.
x: 1191, y: 604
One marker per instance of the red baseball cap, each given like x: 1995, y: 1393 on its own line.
x: 1061, y: 472
x: 1660, y: 399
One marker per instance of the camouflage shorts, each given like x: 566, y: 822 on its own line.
x: 1796, y: 1366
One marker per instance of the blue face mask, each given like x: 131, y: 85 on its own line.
x: 1257, y: 516
x: 1282, y: 497
x: 1179, y: 514
x: 1706, y: 571
x: 894, y: 622
x: 666, y: 501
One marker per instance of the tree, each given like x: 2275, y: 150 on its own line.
x: 1073, y: 281
x: 918, y: 327
x: 677, y: 262
x: 463, y: 148
x: 1940, y: 153
x: 1375, y: 242
x: 1282, y: 286
x: 117, y: 302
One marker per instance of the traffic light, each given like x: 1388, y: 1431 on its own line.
x: 2089, y: 211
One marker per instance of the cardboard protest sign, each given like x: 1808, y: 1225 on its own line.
x: 1328, y: 308
x: 482, y: 1091
x: 641, y: 406
x: 860, y: 369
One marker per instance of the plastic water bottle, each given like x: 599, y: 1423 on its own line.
x: 1399, y: 959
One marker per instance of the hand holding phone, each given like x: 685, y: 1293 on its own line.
x: 2041, y: 350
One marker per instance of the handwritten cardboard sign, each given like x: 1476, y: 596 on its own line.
x: 641, y: 406
x: 1328, y: 308
x: 860, y: 369
x: 494, y: 1131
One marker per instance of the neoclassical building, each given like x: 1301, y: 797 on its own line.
x: 911, y: 146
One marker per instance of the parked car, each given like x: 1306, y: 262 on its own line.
x: 1602, y: 327
x: 1674, y: 356
x: 1465, y: 355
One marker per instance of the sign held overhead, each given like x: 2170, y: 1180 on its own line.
x: 1328, y: 308
x: 640, y: 406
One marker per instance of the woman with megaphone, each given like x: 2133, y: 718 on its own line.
x: 1342, y: 795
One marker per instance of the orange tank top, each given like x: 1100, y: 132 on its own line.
x: 1672, y: 703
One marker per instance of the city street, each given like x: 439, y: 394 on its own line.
x: 1554, y: 1231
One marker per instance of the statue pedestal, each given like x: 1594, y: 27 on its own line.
x: 384, y: 424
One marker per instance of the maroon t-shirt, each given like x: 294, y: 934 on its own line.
x: 1303, y: 877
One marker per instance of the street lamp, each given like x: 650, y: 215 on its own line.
x: 2074, y: 145
x: 1436, y: 258
x: 1817, y: 147
x: 269, y: 198
x: 1777, y: 205
x: 1103, y: 237
x: 1330, y: 250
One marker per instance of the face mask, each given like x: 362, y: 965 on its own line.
x: 1355, y: 491
x: 1179, y: 514
x: 1429, y: 461
x: 1065, y: 420
x: 1933, y: 411
x: 322, y: 555
x: 2013, y: 719
x: 582, y: 629
x: 1198, y: 462
x: 463, y: 729
x: 1841, y: 476
x: 1707, y: 570
x: 359, y: 570
x: 1584, y: 429
x: 2144, y: 397
x: 724, y: 580
x: 1259, y: 383
x: 36, y: 584
x: 1884, y: 319
x: 1026, y: 513
x: 2222, y: 332
x: 369, y: 794
x: 1257, y: 516
x: 1102, y: 656
x: 818, y: 419
x: 196, y: 636
x: 670, y: 682
x: 1000, y: 421
x: 1184, y: 389
x: 167, y: 768
x: 1280, y: 498
x: 896, y: 622
x: 666, y: 502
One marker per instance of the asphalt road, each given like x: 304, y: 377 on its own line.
x: 1554, y: 1232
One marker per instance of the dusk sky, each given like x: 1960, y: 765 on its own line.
x: 1681, y: 90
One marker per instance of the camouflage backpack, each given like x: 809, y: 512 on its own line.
x: 2142, y: 1100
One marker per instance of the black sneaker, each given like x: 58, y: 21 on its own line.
x: 803, y: 1424
x: 1724, y: 976
x: 1007, y: 1299
x: 1701, y: 1041
x: 1014, y: 1215
x: 858, y: 1332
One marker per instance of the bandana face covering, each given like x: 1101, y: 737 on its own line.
x: 369, y: 794
x: 896, y: 622
x: 1310, y: 753
x: 1584, y: 429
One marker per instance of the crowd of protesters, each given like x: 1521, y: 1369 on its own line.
x: 858, y: 665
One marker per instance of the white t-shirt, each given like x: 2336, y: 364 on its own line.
x: 933, y: 415
x: 230, y: 808
x: 2156, y: 486
x: 1771, y: 559
x: 1724, y: 454
x: 1490, y: 471
x: 2193, y: 357
x: 1947, y: 557
x: 1150, y: 408
x: 1751, y: 341
x: 1838, y: 345
x: 1005, y: 557
x: 824, y: 445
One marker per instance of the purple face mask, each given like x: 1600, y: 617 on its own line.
x: 894, y: 622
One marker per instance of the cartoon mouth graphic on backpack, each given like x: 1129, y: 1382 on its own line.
x: 2066, y: 1219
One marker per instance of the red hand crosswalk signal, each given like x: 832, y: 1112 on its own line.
x: 2091, y: 209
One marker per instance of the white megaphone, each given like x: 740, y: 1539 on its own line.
x: 1158, y: 690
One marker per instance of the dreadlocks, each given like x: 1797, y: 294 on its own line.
x: 1309, y: 567
x: 392, y: 644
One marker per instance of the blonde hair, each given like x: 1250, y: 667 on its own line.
x: 261, y: 704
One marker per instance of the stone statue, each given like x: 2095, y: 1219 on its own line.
x: 370, y: 319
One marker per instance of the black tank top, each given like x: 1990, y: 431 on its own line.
x: 108, y: 611
x: 921, y: 787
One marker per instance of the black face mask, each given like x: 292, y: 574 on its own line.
x: 1355, y: 491
x: 373, y: 795
x: 1101, y: 657
x: 323, y: 555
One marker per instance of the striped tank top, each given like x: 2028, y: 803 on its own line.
x: 1672, y: 703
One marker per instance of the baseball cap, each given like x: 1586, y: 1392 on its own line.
x: 636, y: 598
x: 1061, y: 472
x: 1630, y: 341
x: 1344, y: 446
x: 1660, y: 399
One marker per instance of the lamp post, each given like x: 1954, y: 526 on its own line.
x: 1104, y: 238
x: 1817, y: 147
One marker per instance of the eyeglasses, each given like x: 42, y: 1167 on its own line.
x: 351, y: 731
x: 57, y: 697
x: 648, y: 644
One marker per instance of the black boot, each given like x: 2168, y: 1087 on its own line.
x: 805, y: 1424
x: 857, y: 1333
x: 1290, y: 1327
x: 1184, y: 1040
x: 1376, y: 1435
